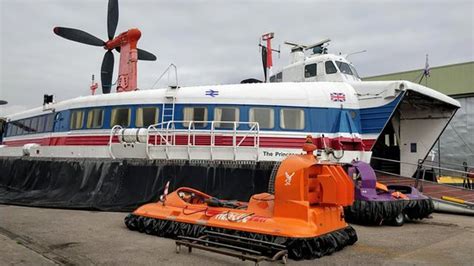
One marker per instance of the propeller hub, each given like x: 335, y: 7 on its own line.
x: 131, y: 36
x: 134, y: 34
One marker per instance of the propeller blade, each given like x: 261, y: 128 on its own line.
x: 106, y: 72
x: 144, y: 55
x: 112, y: 18
x: 78, y: 36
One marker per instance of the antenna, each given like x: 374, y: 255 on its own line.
x: 353, y: 53
x: 93, y: 86
x: 125, y: 44
x: 267, y: 53
x: 426, y: 72
x: 318, y: 48
x: 296, y: 46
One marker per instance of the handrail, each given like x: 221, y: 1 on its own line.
x: 114, y: 129
x: 424, y: 180
x: 423, y: 164
x: 453, y: 164
x: 166, y: 132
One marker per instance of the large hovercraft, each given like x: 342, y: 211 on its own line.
x: 305, y: 213
x: 376, y: 203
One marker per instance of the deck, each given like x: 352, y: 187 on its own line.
x: 429, y: 188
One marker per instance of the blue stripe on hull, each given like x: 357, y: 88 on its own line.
x: 317, y: 119
x: 374, y: 119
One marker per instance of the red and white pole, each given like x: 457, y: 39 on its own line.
x: 165, y: 192
x: 268, y: 37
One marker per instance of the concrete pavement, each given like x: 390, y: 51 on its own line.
x: 38, y: 236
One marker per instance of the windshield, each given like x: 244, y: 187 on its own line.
x: 344, y: 67
x: 354, y: 72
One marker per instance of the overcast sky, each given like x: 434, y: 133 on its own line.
x: 215, y: 42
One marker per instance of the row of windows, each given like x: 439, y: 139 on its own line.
x: 310, y: 70
x: 290, y: 118
x: 144, y: 117
x: 32, y: 125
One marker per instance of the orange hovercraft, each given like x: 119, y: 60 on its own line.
x: 304, y: 214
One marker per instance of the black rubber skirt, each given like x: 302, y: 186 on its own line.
x: 419, y: 209
x: 120, y: 185
x: 298, y: 248
x: 377, y: 212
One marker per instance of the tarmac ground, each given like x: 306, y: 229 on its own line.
x: 39, y: 236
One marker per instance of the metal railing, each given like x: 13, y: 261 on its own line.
x: 423, y: 163
x: 421, y: 170
x: 165, y: 133
x: 113, y: 132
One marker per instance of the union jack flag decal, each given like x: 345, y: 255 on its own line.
x: 338, y: 97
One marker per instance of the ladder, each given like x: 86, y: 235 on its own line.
x: 169, y: 103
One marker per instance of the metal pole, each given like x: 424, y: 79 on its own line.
x: 439, y: 155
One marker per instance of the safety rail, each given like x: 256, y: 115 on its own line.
x: 422, y: 163
x: 165, y: 133
x: 422, y: 166
x: 115, y: 129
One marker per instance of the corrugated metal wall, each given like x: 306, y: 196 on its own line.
x: 457, y: 141
x: 456, y: 79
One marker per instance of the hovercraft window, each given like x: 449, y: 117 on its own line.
x: 354, y: 71
x: 21, y: 127
x: 95, y: 118
x: 121, y: 117
x: 9, y: 129
x: 226, y: 116
x: 50, y: 122
x: 146, y: 116
x: 330, y: 67
x: 41, y: 122
x: 310, y: 70
x: 18, y: 130
x: 34, y: 125
x: 264, y: 116
x: 279, y: 77
x: 195, y: 114
x: 292, y: 118
x: 77, y: 119
x: 26, y: 126
x: 344, y: 67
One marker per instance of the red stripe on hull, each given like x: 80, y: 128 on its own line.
x: 203, y: 140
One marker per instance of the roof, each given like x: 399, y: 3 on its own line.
x: 300, y: 94
x: 453, y: 80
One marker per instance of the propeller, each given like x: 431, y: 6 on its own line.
x: 107, y: 67
x: 106, y: 71
x: 78, y: 36
x: 142, y: 55
x: 112, y: 18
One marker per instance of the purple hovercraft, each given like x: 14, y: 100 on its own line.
x: 376, y: 203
